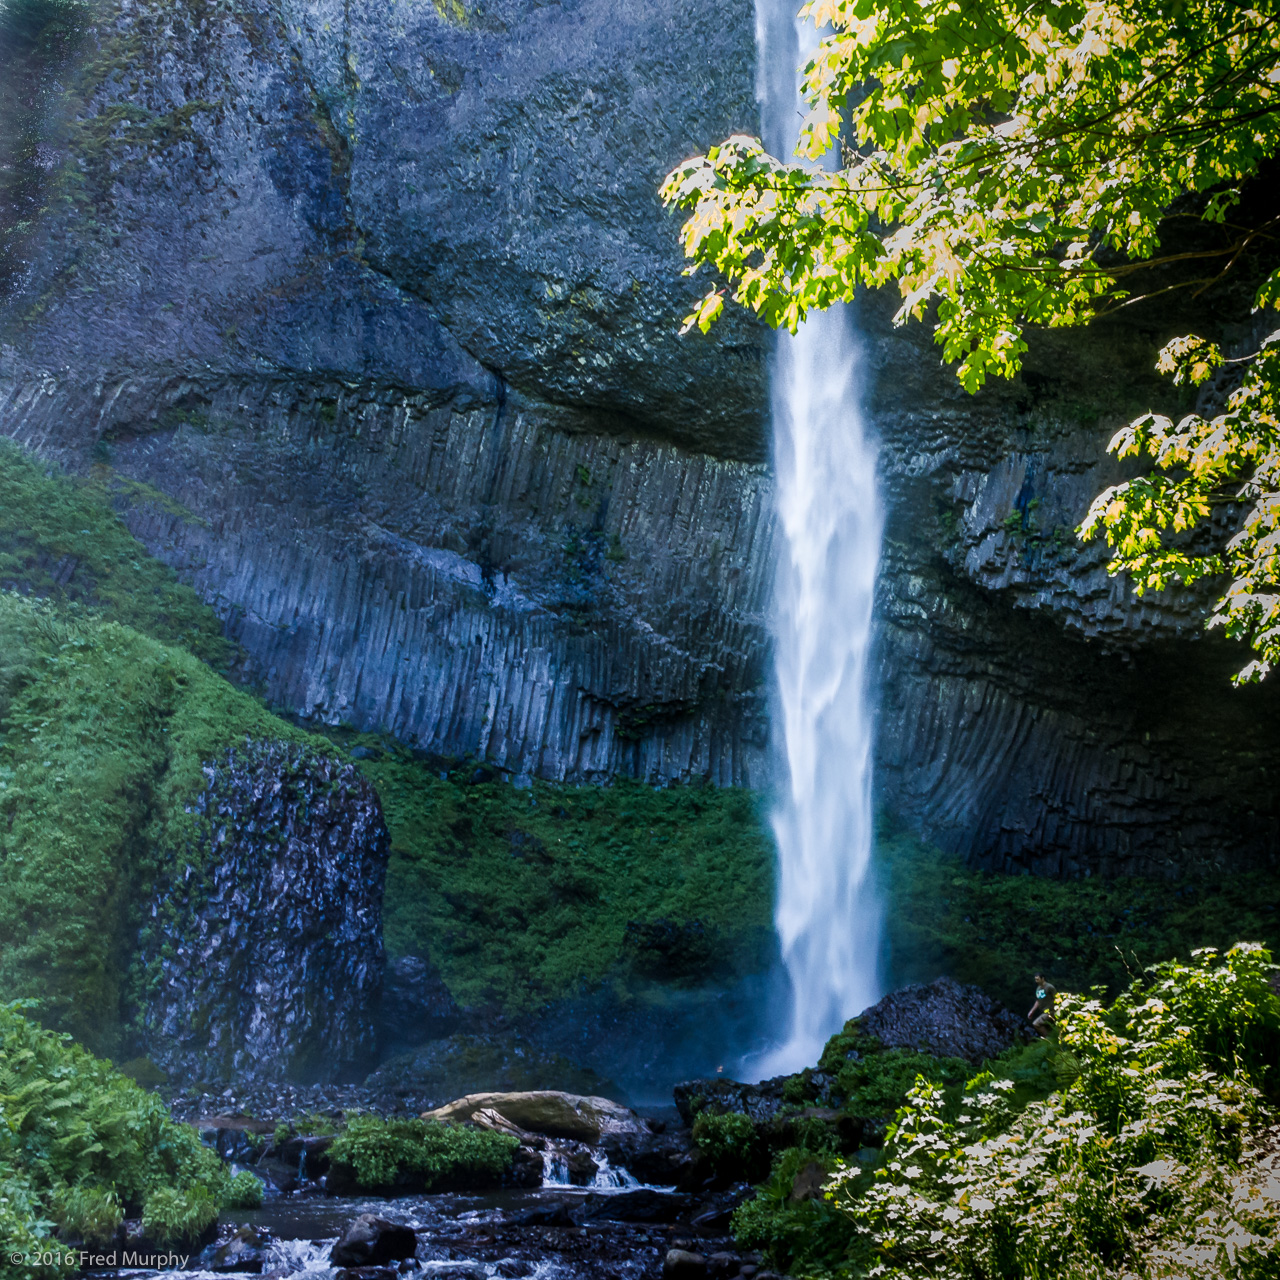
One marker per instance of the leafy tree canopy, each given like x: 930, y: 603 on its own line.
x: 1013, y: 165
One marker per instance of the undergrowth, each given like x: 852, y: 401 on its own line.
x: 1147, y: 1160
x: 383, y: 1153
x: 61, y: 539
x: 524, y: 896
x: 103, y: 734
x: 81, y: 1145
x: 998, y: 930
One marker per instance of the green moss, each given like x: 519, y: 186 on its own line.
x: 998, y: 930
x: 103, y: 734
x: 383, y: 1152
x: 60, y: 538
x: 525, y: 896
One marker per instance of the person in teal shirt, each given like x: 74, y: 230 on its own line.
x: 1044, y: 1002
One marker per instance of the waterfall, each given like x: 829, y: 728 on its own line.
x: 829, y: 522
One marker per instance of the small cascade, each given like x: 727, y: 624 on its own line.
x: 608, y: 1178
x: 301, y: 1258
x: 555, y: 1168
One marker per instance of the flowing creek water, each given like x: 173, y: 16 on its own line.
x: 556, y: 1232
x: 829, y: 521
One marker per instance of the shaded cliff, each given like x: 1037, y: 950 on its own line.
x: 382, y: 298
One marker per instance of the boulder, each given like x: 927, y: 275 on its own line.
x: 636, y: 1204
x: 720, y: 1095
x: 680, y: 1264
x: 371, y: 1241
x: 547, y: 1111
x: 944, y: 1018
x: 245, y: 1253
x: 808, y: 1183
x: 656, y: 1158
x: 416, y: 1004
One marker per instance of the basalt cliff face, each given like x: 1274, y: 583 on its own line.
x: 379, y: 304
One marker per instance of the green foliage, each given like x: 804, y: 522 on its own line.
x: 1141, y: 1166
x: 998, y: 930
x: 1202, y: 465
x: 103, y: 734
x: 87, y: 1213
x: 173, y: 1217
x: 1129, y: 1145
x: 313, y: 1124
x: 728, y: 1141
x: 60, y: 538
x: 1010, y: 163
x: 809, y: 1237
x: 871, y: 1081
x: 244, y: 1191
x: 80, y: 1143
x: 382, y: 1151
x: 525, y: 896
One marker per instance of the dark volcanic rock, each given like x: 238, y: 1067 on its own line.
x: 265, y: 947
x: 637, y: 1204
x: 659, y: 1159
x: 371, y: 1241
x: 944, y: 1018
x: 416, y: 1004
x: 718, y: 1095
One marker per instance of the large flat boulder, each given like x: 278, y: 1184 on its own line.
x: 547, y: 1111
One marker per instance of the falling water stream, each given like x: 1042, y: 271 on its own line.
x: 829, y: 522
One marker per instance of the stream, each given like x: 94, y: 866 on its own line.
x: 600, y: 1232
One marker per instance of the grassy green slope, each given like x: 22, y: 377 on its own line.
x: 999, y: 930
x: 106, y: 716
x: 525, y: 896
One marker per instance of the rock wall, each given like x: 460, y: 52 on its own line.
x: 379, y: 298
x: 264, y: 954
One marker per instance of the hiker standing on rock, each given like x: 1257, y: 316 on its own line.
x: 1044, y: 1002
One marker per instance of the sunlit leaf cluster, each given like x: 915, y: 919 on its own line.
x: 1006, y: 163
x: 1203, y: 467
x: 1015, y: 165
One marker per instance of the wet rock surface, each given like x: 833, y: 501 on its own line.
x: 945, y: 1018
x: 265, y: 948
x: 416, y: 1004
x: 371, y: 1241
x: 512, y: 1234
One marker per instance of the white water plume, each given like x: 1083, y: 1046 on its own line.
x: 829, y: 522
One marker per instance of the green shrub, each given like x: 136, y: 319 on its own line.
x: 80, y: 1143
x: 87, y: 1213
x: 314, y: 1124
x: 1139, y: 1167
x: 382, y: 1151
x: 173, y: 1217
x: 812, y: 1234
x: 244, y: 1191
x: 729, y: 1142
x: 875, y: 1081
